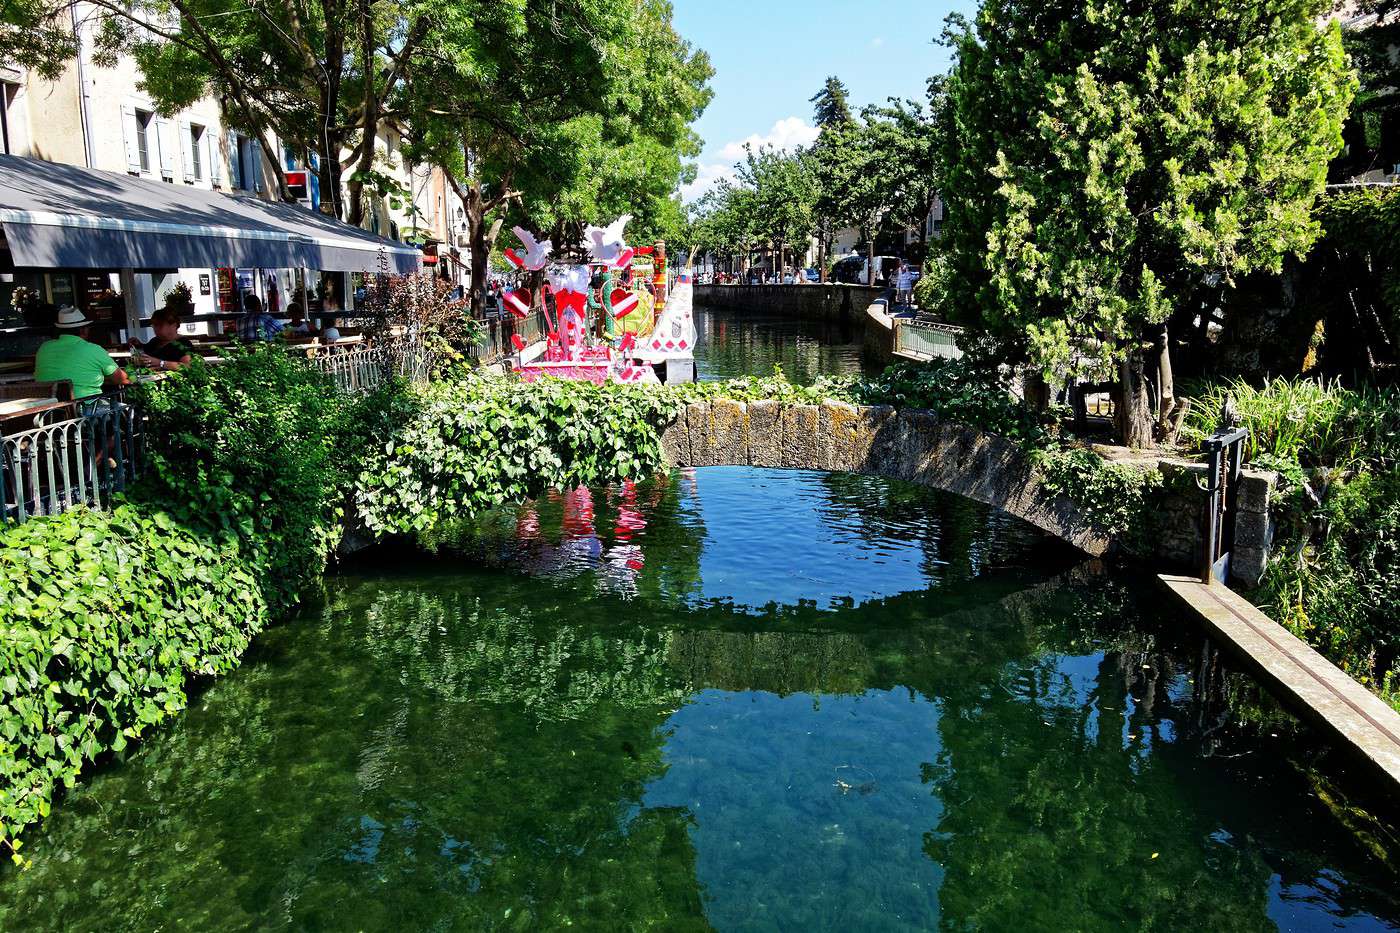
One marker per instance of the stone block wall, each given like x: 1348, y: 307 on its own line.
x: 1178, y: 531
x: 822, y: 302
x: 917, y: 446
x: 910, y: 445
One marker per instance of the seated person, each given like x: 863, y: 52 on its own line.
x: 71, y: 355
x: 257, y: 324
x: 165, y: 351
x: 298, y: 324
x: 330, y: 333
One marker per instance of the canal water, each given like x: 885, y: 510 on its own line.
x: 727, y: 699
x: 731, y: 344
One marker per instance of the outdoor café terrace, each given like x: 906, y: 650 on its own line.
x: 119, y: 235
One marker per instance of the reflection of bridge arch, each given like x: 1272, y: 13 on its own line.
x: 910, y: 445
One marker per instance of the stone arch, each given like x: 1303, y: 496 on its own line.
x: 905, y: 444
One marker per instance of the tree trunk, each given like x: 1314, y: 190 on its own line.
x: 1036, y: 390
x: 480, y: 249
x: 1132, y: 412
x: 369, y: 127
x: 870, y: 258
x: 1166, y: 387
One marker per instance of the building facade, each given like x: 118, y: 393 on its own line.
x: 99, y: 117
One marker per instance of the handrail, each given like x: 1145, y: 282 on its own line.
x: 83, y: 460
x: 926, y: 339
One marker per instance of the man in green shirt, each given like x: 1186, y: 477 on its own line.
x: 73, y: 357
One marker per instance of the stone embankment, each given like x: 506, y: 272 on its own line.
x: 821, y: 302
x: 910, y: 445
x: 917, y: 446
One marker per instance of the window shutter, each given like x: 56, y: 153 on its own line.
x: 255, y: 158
x: 235, y: 175
x: 215, y: 159
x: 133, y: 152
x: 165, y: 132
x: 186, y: 151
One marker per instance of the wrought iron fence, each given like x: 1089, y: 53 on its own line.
x: 366, y: 368
x: 926, y: 339
x: 496, y: 333
x: 84, y: 459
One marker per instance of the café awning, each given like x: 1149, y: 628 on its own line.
x: 66, y: 217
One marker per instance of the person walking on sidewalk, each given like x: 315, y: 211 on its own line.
x: 904, y: 285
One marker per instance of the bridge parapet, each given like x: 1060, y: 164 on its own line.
x: 908, y: 444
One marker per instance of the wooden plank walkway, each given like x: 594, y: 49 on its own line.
x: 1303, y: 679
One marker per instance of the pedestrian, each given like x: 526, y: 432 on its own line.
x: 904, y: 285
x: 257, y: 324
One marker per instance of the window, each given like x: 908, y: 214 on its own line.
x: 143, y: 138
x: 7, y: 94
x: 197, y: 152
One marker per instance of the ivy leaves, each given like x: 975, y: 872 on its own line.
x: 106, y: 615
x: 481, y: 442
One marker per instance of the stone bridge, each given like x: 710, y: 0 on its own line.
x: 907, y: 444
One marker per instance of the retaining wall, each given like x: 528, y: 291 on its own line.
x: 917, y: 446
x: 830, y: 301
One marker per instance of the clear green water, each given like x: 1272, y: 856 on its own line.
x: 745, y: 700
x: 730, y: 344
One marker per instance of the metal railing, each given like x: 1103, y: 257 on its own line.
x: 495, y: 342
x: 366, y: 368
x: 83, y: 460
x: 926, y: 340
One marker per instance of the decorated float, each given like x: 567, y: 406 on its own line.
x: 648, y: 334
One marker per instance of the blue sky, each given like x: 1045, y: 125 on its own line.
x: 771, y: 57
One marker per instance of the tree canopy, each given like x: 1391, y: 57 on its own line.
x: 1105, y: 162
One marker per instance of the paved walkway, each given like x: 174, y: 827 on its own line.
x: 1306, y: 681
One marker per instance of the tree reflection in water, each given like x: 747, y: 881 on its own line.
x: 446, y: 745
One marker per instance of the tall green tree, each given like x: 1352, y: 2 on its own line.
x: 832, y: 112
x: 832, y: 103
x: 783, y: 193
x: 906, y: 136
x: 639, y: 150
x: 1106, y: 161
x: 564, y: 114
x: 725, y: 223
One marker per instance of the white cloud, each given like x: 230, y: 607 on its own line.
x: 787, y: 134
x: 876, y: 42
x: 706, y: 176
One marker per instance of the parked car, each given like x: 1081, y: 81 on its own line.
x: 812, y: 275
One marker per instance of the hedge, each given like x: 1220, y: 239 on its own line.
x: 107, y: 616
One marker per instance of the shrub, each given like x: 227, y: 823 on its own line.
x: 1115, y: 497
x: 479, y: 442
x: 1339, y: 589
x: 959, y: 391
x: 262, y: 446
x: 1306, y: 421
x: 105, y: 617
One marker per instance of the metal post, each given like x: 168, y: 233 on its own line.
x: 1226, y: 451
x: 133, y: 312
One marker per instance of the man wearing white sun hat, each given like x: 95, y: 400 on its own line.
x: 71, y: 356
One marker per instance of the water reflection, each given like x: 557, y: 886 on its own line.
x: 1001, y: 742
x: 739, y: 343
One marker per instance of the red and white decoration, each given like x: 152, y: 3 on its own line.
x: 518, y: 302
x: 623, y: 302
